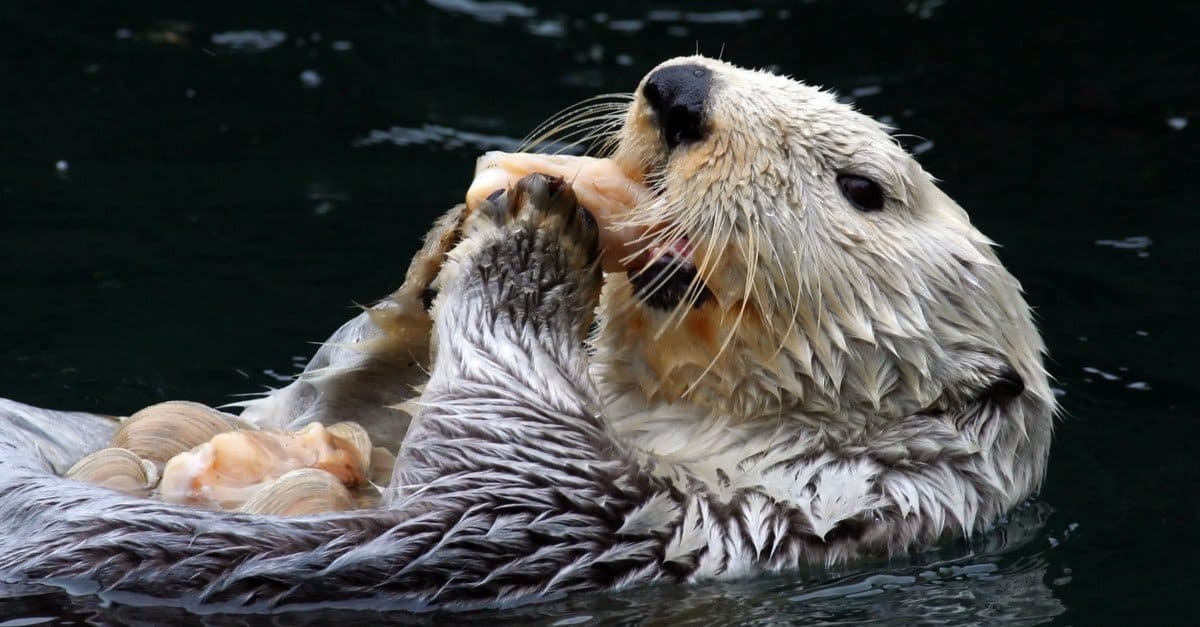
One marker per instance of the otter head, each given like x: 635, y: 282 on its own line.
x: 793, y: 259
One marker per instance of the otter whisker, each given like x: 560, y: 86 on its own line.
x: 794, y: 289
x: 588, y: 127
x: 582, y: 136
x: 584, y: 118
x: 751, y: 269
x: 707, y: 226
x: 599, y: 115
x: 614, y: 100
x: 695, y: 289
x: 604, y: 131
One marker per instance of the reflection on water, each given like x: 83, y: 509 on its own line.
x: 438, y: 136
x: 250, y: 40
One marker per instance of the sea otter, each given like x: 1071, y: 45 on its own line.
x: 804, y: 354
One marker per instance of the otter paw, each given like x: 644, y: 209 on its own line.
x: 417, y: 290
x: 545, y: 204
x: 532, y: 245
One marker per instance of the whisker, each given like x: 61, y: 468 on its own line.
x: 619, y: 99
x: 605, y: 130
x: 749, y: 259
x: 793, y: 285
x: 548, y: 130
x: 598, y: 115
x: 574, y: 127
x: 699, y: 223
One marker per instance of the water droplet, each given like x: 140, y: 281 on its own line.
x: 250, y: 40
x: 922, y: 147
x: 866, y: 90
x: 1136, y: 242
x: 1107, y: 376
x: 310, y: 79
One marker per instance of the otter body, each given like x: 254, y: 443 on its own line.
x: 809, y: 356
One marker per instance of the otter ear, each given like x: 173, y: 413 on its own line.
x: 1007, y: 385
x: 979, y: 379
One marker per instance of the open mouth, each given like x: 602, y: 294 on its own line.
x: 667, y: 275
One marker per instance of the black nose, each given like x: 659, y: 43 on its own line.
x: 677, y: 95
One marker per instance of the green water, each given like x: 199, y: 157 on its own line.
x: 234, y: 178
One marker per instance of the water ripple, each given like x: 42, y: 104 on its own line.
x: 1136, y: 242
x: 492, y: 12
x: 249, y: 40
x: 442, y: 136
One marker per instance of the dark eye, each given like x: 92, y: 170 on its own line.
x: 862, y: 192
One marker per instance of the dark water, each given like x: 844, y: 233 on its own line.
x: 191, y: 193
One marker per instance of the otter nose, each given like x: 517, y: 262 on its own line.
x: 677, y: 95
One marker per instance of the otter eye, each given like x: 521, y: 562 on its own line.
x: 862, y: 192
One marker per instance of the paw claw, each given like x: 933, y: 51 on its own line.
x: 496, y: 208
x: 536, y: 246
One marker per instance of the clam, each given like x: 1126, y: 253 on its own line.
x: 301, y: 492
x: 601, y: 185
x: 230, y: 468
x: 321, y: 448
x: 116, y: 469
x: 353, y: 435
x: 160, y: 432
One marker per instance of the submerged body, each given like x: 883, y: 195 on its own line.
x: 804, y: 354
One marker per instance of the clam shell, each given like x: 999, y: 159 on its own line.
x: 356, y: 436
x: 301, y: 492
x: 160, y: 432
x: 116, y: 469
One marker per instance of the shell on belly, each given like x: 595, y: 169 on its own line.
x: 187, y: 453
x: 301, y: 492
x: 116, y: 469
x: 232, y: 467
x: 162, y: 431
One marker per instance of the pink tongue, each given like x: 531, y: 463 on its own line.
x: 680, y: 250
x: 682, y: 247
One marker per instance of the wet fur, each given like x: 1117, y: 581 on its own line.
x: 501, y: 492
x: 856, y: 385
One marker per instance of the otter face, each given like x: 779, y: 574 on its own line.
x: 795, y: 259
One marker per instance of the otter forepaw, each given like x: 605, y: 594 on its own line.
x: 545, y: 204
x: 532, y: 245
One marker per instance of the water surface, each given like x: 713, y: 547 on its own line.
x: 193, y: 193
